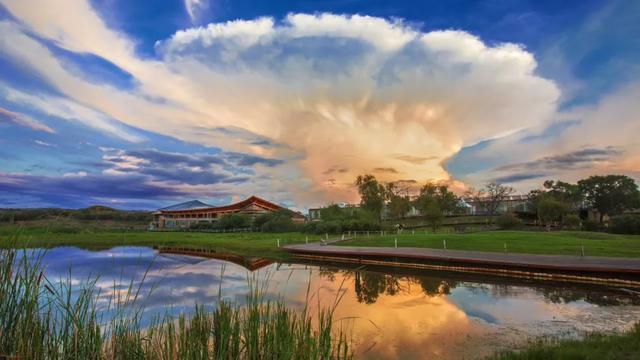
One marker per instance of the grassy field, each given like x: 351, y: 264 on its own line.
x: 247, y: 244
x: 265, y: 244
x: 594, y: 347
x: 532, y: 242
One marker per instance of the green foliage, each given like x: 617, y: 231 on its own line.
x: 591, y: 225
x: 571, y: 221
x: 234, y: 221
x: 279, y: 221
x: 372, y: 194
x: 610, y: 194
x: 508, y: 221
x: 432, y: 213
x: 446, y: 200
x: 550, y: 210
x: 625, y: 224
x: 336, y: 220
x: 397, y: 204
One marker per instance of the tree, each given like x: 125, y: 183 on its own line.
x: 566, y: 192
x: 490, y: 197
x: 610, y: 194
x: 447, y: 201
x: 372, y: 193
x: 550, y: 210
x: 432, y: 213
x: 399, y: 204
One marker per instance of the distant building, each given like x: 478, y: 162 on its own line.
x: 510, y: 203
x: 185, y: 214
x: 315, y: 214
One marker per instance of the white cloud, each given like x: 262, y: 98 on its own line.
x: 193, y: 7
x: 68, y: 110
x: 356, y: 92
x: 24, y: 120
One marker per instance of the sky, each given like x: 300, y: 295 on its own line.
x: 139, y: 105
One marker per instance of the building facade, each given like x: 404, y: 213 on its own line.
x: 188, y: 213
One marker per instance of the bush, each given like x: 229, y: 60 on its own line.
x: 508, y: 221
x: 234, y: 221
x: 279, y: 221
x: 591, y: 225
x: 340, y: 226
x: 571, y: 221
x: 625, y: 224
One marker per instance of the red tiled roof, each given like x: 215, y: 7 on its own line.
x: 235, y: 206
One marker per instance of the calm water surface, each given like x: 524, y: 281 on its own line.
x: 389, y: 314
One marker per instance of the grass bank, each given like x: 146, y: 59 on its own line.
x: 531, y: 242
x: 40, y: 319
x: 593, y: 347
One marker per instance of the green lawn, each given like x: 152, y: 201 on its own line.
x: 265, y: 244
x: 532, y: 242
x: 248, y: 244
x: 594, y: 347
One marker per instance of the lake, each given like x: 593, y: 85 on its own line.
x: 389, y: 313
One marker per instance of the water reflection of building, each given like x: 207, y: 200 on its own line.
x: 185, y: 214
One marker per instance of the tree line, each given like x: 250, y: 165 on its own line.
x: 555, y: 201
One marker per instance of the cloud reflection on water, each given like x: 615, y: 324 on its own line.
x: 390, y: 316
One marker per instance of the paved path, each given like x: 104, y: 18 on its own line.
x: 546, y: 262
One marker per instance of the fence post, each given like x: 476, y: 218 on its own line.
x: 444, y: 243
x: 395, y: 242
x: 505, y: 247
x: 278, y: 241
x: 306, y: 239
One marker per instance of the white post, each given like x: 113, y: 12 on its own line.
x: 367, y: 233
x: 342, y: 236
x: 505, y: 247
x: 278, y: 240
x: 444, y: 244
x: 581, y: 248
x: 413, y: 232
x: 326, y: 236
x: 395, y: 242
x: 306, y: 240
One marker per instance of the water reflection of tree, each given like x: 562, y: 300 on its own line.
x: 435, y: 286
x: 563, y: 296
x: 369, y: 286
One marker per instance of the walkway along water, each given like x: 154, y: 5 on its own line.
x: 602, y: 270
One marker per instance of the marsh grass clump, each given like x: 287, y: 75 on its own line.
x: 40, y: 319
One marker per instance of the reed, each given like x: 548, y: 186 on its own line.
x: 43, y: 320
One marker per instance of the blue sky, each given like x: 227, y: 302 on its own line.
x: 143, y: 104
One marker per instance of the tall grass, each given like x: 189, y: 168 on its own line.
x: 42, y: 320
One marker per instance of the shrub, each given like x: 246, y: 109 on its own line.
x: 625, y: 224
x: 590, y: 225
x: 571, y: 221
x: 508, y: 220
x: 234, y: 221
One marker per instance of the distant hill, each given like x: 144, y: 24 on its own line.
x: 97, y: 212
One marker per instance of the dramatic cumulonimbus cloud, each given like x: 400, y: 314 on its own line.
x: 333, y: 96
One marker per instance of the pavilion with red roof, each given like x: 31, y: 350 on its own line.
x: 191, y: 212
